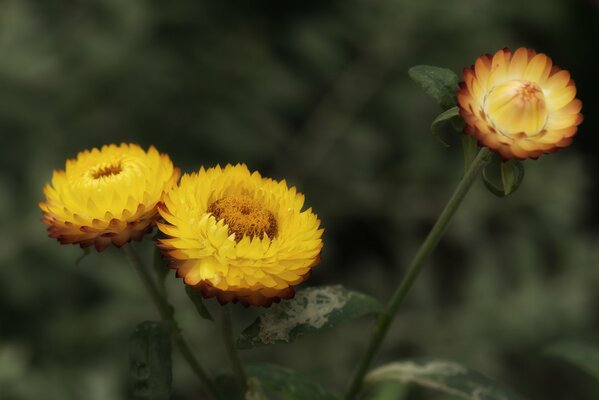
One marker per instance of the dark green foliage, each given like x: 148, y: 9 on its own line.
x: 582, y: 354
x: 150, y: 366
x: 511, y: 173
x: 198, y: 301
x: 439, y: 83
x: 446, y: 116
x: 287, y: 383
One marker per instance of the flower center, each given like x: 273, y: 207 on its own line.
x: 245, y: 217
x: 515, y: 107
x: 104, y: 171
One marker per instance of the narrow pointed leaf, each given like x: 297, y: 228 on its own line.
x: 439, y: 83
x: 442, y: 118
x: 443, y: 376
x: 198, y: 301
x: 287, y: 383
x: 311, y: 310
x: 583, y: 355
x: 511, y: 176
x: 150, y: 362
x: 493, y: 187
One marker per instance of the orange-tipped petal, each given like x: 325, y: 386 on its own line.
x: 90, y: 201
x: 519, y: 104
x: 239, y: 237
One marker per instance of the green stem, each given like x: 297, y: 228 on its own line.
x: 426, y: 248
x: 227, y: 330
x: 166, y: 313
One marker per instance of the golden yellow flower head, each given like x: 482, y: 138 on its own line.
x: 105, y: 196
x: 519, y: 104
x: 238, y: 236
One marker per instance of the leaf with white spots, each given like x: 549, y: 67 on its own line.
x: 311, y: 310
x: 443, y: 376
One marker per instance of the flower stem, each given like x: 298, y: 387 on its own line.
x: 166, y: 313
x: 227, y: 331
x: 426, y: 248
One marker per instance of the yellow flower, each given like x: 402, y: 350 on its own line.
x: 238, y: 236
x: 519, y: 104
x: 107, y: 196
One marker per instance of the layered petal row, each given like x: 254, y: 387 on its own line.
x: 519, y: 104
x: 237, y: 236
x: 107, y: 196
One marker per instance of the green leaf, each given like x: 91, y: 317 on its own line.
x: 198, y: 301
x: 150, y: 356
x: 443, y: 376
x: 442, y: 118
x: 312, y: 310
x: 584, y: 355
x: 512, y: 175
x: 287, y: 383
x: 439, y: 83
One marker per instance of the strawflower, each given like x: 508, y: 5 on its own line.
x: 238, y: 236
x: 107, y: 196
x: 519, y: 104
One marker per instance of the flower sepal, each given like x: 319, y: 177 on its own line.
x: 452, y: 115
x: 510, y: 176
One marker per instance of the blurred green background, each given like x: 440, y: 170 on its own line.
x: 315, y: 92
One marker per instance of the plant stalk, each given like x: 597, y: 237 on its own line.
x: 426, y: 248
x: 227, y: 332
x: 166, y: 313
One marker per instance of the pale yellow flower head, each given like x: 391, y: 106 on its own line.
x: 107, y: 195
x: 238, y: 236
x: 519, y: 104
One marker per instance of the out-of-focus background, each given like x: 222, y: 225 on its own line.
x: 316, y: 92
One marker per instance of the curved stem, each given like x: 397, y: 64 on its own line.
x: 426, y: 248
x: 227, y: 330
x: 166, y: 313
